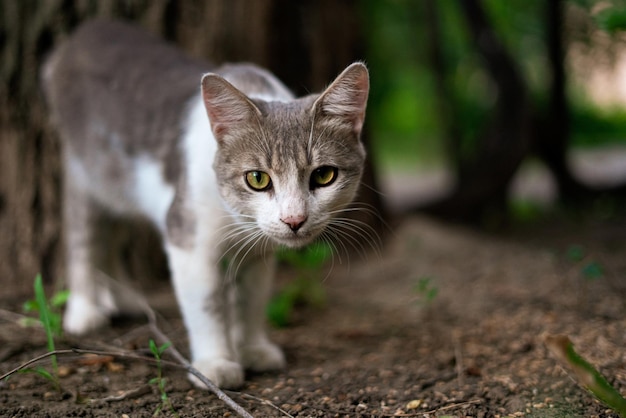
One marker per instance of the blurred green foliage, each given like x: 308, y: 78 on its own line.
x: 306, y: 288
x: 403, y: 111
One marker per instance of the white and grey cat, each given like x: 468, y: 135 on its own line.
x: 226, y: 165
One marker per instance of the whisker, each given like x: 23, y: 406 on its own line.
x: 363, y: 228
x: 351, y: 229
x: 365, y: 208
x: 347, y: 237
x: 250, y: 244
x: 378, y: 192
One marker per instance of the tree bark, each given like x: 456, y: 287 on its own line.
x: 482, y: 180
x: 447, y: 113
x: 305, y: 43
x: 552, y: 130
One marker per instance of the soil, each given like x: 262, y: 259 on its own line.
x: 444, y: 321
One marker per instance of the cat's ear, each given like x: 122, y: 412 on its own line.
x: 346, y: 97
x: 226, y: 107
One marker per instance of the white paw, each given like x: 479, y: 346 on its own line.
x: 224, y: 373
x: 82, y: 316
x: 263, y: 357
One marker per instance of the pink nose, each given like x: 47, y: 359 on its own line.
x: 294, y: 222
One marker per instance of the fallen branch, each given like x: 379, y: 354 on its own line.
x: 163, y: 339
x: 433, y: 411
x: 127, y: 394
x: 35, y: 360
x: 117, y: 354
x: 263, y: 402
x: 584, y: 373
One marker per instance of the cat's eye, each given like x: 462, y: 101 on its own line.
x: 258, y: 180
x: 323, y: 176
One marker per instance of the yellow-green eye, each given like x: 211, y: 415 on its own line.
x: 323, y: 176
x: 258, y: 180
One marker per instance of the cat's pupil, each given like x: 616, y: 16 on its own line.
x: 258, y: 180
x: 323, y: 176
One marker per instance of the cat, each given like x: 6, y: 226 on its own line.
x: 228, y: 165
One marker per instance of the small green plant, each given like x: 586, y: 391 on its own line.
x: 425, y: 290
x: 306, y: 288
x: 575, y: 253
x: 50, y: 318
x: 590, y: 270
x: 159, y: 381
x: 524, y: 211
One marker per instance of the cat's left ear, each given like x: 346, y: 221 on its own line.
x: 346, y: 97
x: 226, y: 107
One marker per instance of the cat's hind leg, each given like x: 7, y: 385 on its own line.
x: 86, y: 307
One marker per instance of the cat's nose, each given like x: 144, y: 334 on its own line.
x: 294, y: 222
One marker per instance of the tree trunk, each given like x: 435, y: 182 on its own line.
x: 447, y: 113
x: 305, y: 43
x: 552, y: 130
x: 482, y: 180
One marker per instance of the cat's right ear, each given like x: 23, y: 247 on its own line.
x: 226, y: 107
x: 346, y: 98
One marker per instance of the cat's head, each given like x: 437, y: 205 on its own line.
x: 288, y: 168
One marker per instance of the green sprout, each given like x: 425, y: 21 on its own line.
x: 591, y: 270
x: 50, y: 319
x: 425, y: 290
x: 159, y: 381
x: 575, y: 253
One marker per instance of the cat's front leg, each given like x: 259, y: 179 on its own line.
x: 254, y: 286
x: 204, y: 301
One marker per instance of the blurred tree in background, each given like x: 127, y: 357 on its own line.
x: 481, y: 86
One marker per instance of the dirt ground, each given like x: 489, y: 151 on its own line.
x: 382, y: 345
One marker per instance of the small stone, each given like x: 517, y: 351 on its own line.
x: 64, y: 371
x: 414, y: 404
x: 115, y: 367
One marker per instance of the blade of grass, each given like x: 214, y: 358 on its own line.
x: 44, y: 316
x: 586, y: 375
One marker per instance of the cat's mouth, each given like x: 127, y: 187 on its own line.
x: 296, y: 239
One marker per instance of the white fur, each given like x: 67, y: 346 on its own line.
x: 199, y: 148
x: 83, y: 315
x: 154, y: 195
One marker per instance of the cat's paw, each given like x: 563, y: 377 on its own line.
x: 224, y: 373
x: 82, y: 316
x: 263, y: 357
